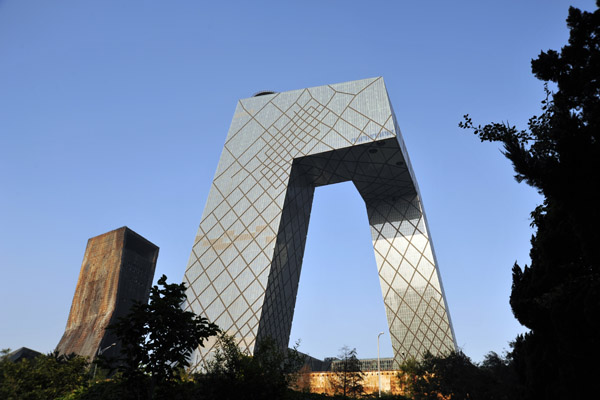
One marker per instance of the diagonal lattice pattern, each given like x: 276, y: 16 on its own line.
x: 245, y: 264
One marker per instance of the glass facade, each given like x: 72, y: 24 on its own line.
x: 368, y: 364
x: 245, y: 264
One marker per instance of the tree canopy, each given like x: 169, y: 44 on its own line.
x: 268, y: 374
x: 43, y: 377
x: 455, y: 376
x: 347, y: 378
x: 558, y: 295
x: 158, y: 338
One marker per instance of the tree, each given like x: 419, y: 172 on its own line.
x: 44, y: 377
x: 558, y: 296
x: 347, y: 376
x: 302, y: 383
x: 452, y: 376
x: 455, y: 376
x: 157, y: 339
x: 234, y: 374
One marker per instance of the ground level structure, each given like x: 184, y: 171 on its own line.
x: 245, y: 263
x: 322, y: 382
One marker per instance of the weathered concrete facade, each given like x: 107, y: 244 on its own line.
x: 118, y: 268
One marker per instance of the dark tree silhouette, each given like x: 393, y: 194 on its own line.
x: 347, y: 378
x: 233, y: 374
x: 44, y: 377
x: 158, y: 338
x: 558, y: 296
x: 455, y: 376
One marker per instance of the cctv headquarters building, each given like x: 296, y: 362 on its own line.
x: 245, y: 263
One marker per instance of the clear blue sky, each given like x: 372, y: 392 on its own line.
x: 114, y: 113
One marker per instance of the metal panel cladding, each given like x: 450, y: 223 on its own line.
x: 245, y: 264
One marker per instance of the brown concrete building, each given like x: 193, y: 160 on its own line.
x: 118, y: 268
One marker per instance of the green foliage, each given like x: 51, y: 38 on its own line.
x: 158, y: 338
x: 558, y: 295
x: 455, y: 376
x: 118, y: 389
x: 45, y: 377
x: 233, y: 374
x: 347, y: 378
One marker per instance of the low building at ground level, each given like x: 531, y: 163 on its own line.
x: 322, y: 382
x: 23, y: 353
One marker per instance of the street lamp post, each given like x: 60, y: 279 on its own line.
x: 100, y: 351
x: 378, y: 364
